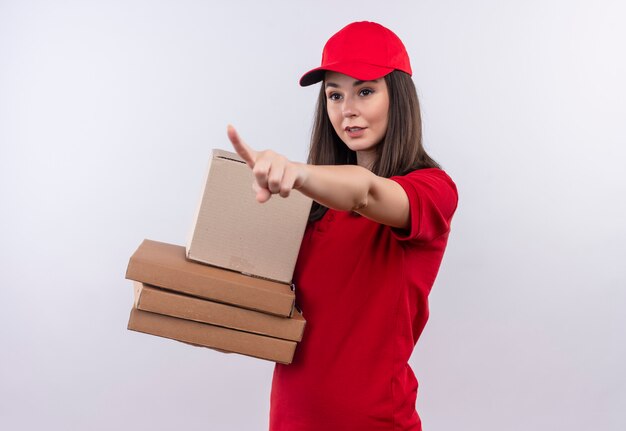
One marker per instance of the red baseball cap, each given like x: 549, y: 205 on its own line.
x: 363, y: 50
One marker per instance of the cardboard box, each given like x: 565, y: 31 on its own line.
x: 165, y: 265
x: 232, y: 230
x: 149, y: 298
x: 216, y: 337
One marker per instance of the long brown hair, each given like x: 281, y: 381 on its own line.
x: 401, y: 150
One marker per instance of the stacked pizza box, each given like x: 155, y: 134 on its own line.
x: 230, y: 288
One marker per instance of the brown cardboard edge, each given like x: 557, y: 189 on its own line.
x: 136, y: 271
x: 228, y: 155
x: 189, y: 255
x: 162, y: 301
x: 204, y: 335
x: 196, y: 214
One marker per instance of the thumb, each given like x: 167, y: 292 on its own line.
x: 244, y: 151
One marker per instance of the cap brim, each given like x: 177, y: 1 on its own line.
x: 356, y: 70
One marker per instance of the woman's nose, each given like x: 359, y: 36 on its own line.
x: 348, y: 108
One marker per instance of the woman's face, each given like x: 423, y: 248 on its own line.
x: 358, y: 112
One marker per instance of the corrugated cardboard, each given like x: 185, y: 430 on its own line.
x: 165, y: 265
x: 202, y: 334
x: 149, y: 298
x: 232, y: 230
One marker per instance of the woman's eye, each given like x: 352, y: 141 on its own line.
x: 334, y: 96
x: 365, y: 92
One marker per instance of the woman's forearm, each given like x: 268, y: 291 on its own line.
x: 342, y: 187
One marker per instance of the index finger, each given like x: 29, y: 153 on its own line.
x: 246, y: 153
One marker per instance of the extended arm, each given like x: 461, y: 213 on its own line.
x: 345, y: 187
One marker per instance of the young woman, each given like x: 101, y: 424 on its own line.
x: 373, y: 245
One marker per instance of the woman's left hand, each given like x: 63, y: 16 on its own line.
x: 273, y: 172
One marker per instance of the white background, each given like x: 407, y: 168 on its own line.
x: 108, y: 111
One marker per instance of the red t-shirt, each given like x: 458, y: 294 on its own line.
x: 363, y: 290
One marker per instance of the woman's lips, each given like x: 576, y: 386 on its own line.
x: 355, y: 132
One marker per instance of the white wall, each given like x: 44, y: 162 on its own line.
x: 108, y: 111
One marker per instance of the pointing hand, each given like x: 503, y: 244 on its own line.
x: 273, y: 173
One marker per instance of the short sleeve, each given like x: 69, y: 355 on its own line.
x: 433, y: 199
